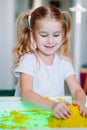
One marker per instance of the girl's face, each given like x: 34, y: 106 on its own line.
x: 48, y: 35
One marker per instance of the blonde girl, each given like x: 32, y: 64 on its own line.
x: 42, y: 60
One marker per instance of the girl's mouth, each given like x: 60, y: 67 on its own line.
x: 50, y: 47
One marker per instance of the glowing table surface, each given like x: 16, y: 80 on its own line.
x: 13, y: 105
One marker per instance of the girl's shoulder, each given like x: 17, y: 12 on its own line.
x: 28, y: 56
x: 26, y: 65
x: 28, y: 59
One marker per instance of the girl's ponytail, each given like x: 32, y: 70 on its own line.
x: 66, y: 21
x: 22, y: 45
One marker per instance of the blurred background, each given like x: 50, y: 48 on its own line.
x: 9, y: 11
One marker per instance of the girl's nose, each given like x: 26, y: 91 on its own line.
x: 50, y: 39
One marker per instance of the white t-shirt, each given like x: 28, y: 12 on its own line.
x: 48, y: 79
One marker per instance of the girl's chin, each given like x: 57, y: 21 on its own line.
x: 48, y: 54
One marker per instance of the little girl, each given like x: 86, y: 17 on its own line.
x: 42, y: 60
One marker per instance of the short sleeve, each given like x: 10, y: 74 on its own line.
x: 68, y: 69
x: 26, y: 65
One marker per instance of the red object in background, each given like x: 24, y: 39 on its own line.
x: 83, y: 79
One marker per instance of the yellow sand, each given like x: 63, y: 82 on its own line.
x: 75, y: 120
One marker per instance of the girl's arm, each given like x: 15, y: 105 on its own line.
x: 78, y: 94
x: 76, y: 90
x: 26, y: 83
x: 59, y: 109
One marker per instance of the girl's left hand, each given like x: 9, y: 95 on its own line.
x: 82, y: 108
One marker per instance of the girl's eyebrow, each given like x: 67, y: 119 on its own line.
x: 47, y: 32
x: 57, y: 32
x: 41, y: 32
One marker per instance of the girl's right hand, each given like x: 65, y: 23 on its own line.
x: 61, y: 110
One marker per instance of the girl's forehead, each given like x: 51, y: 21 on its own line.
x: 48, y: 23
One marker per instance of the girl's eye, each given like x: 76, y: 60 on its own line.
x: 56, y: 35
x: 43, y: 35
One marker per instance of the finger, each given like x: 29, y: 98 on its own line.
x: 66, y: 109
x: 61, y: 115
x: 57, y: 115
x: 83, y: 111
x: 66, y: 112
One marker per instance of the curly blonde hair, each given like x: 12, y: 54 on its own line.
x: 24, y: 25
